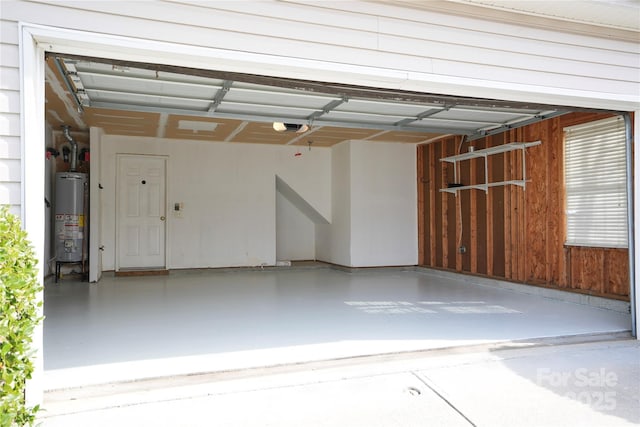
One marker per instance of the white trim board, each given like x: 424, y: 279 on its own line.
x: 141, y: 50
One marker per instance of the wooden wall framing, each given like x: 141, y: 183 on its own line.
x: 511, y: 233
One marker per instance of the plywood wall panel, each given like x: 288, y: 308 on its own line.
x: 497, y: 195
x: 616, y: 272
x: 536, y: 231
x: 521, y: 224
x: 588, y: 269
x: 514, y: 233
x: 555, y: 200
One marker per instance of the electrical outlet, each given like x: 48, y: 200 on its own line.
x: 462, y: 249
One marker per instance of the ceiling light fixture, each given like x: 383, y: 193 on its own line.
x: 290, y: 127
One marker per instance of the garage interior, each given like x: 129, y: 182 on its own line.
x: 209, y: 317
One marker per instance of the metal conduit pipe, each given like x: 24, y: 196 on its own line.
x: 630, y: 222
x: 74, y: 147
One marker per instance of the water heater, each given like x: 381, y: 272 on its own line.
x: 69, y: 216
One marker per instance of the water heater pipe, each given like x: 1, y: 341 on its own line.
x: 74, y: 147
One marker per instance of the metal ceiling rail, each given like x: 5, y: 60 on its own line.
x: 325, y: 88
x: 326, y: 109
x: 484, y: 133
x: 371, y: 108
x: 274, y: 118
x: 222, y: 92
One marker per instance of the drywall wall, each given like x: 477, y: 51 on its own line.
x: 374, y: 206
x: 233, y: 214
x: 295, y: 232
x: 383, y: 204
x: 228, y: 195
x: 333, y: 241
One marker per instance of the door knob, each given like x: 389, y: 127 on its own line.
x: 162, y: 218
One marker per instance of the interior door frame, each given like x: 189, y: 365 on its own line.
x: 95, y: 207
x: 119, y: 157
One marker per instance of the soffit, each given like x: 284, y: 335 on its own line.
x: 615, y: 19
x: 125, y: 98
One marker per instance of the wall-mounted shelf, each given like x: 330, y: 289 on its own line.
x: 485, y: 153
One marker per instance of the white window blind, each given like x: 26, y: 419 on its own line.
x: 595, y: 179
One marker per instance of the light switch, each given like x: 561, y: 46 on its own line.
x: 177, y: 209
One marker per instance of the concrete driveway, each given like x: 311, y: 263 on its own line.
x: 544, y: 383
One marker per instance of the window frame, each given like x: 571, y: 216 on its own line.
x: 598, y: 148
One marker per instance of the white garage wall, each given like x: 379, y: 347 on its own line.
x: 384, y: 210
x: 374, y: 206
x: 233, y: 215
x: 333, y: 241
x: 229, y: 197
x: 295, y: 232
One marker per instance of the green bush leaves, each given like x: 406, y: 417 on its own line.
x: 18, y: 318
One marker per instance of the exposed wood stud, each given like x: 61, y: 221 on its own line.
x: 509, y: 254
x: 433, y: 191
x: 422, y: 207
x: 490, y: 247
x: 473, y: 221
x: 522, y: 232
x: 445, y: 209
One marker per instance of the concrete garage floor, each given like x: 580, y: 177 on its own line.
x: 127, y: 328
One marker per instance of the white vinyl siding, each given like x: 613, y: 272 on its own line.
x: 410, y: 44
x: 595, y: 179
x: 10, y: 150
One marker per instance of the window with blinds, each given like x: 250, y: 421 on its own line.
x: 595, y: 179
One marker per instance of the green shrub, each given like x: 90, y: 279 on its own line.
x: 18, y: 318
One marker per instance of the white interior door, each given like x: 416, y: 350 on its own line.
x: 141, y: 212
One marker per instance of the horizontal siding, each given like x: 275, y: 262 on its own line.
x: 450, y: 20
x: 366, y: 34
x: 512, y: 42
x: 9, y: 55
x: 10, y: 150
x: 9, y: 101
x: 10, y: 193
x: 9, y: 147
x: 9, y: 77
x: 10, y: 124
x: 10, y: 170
